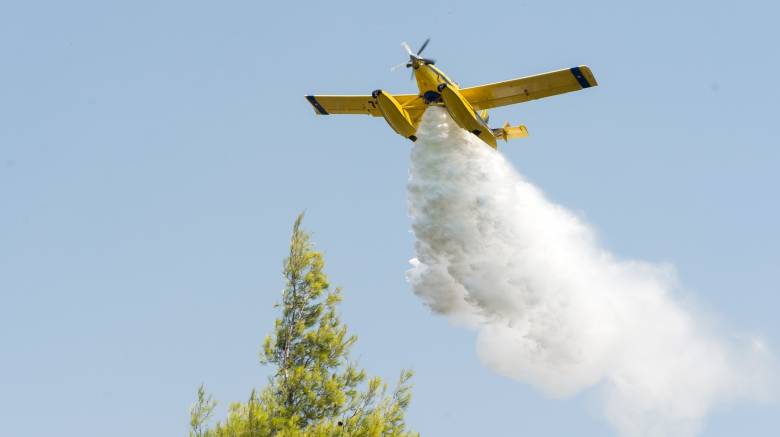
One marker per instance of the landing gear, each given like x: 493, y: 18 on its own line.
x: 431, y: 97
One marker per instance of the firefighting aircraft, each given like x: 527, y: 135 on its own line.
x: 467, y: 106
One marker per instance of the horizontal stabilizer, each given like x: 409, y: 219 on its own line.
x: 510, y: 132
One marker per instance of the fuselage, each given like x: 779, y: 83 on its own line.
x: 438, y: 89
x: 429, y: 77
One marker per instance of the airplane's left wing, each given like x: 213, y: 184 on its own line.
x: 529, y: 88
x: 326, y: 105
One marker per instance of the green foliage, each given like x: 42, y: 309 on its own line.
x: 201, y: 412
x: 316, y: 391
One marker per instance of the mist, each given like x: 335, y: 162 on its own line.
x: 555, y: 310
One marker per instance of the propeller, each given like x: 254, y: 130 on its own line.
x: 396, y: 67
x: 423, y: 46
x: 414, y: 58
x: 407, y: 48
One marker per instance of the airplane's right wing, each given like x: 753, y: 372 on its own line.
x: 326, y: 105
x: 529, y: 88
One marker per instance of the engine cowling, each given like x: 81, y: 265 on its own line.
x: 395, y: 115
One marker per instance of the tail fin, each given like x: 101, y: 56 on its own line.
x: 510, y: 132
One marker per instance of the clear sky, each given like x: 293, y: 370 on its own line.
x: 153, y: 156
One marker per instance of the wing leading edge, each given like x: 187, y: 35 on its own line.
x: 529, y: 88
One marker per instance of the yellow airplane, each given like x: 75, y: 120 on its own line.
x: 467, y: 106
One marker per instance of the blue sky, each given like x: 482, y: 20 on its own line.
x: 153, y: 156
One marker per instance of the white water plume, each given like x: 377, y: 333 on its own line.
x: 552, y: 308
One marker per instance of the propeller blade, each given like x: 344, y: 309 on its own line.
x: 407, y: 48
x: 424, y: 45
x: 396, y: 67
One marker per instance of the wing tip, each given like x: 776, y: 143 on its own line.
x: 317, y: 107
x: 583, y: 76
x: 586, y: 71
